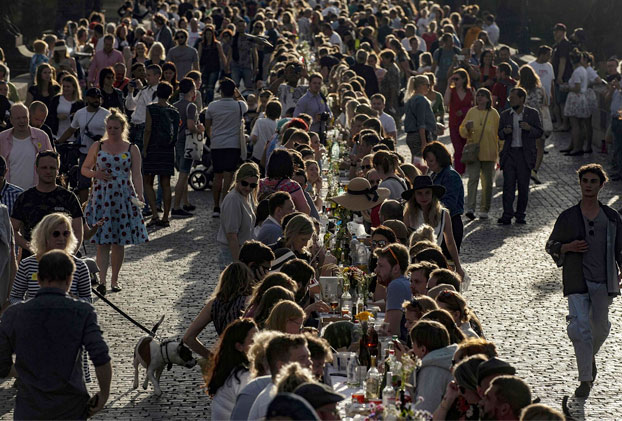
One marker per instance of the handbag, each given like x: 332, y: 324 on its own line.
x: 547, y: 122
x: 243, y: 147
x: 193, y: 149
x: 470, y: 153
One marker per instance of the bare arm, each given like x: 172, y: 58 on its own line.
x: 561, y: 69
x: 66, y: 135
x: 104, y: 378
x: 137, y: 178
x: 19, y: 239
x: 198, y: 324
x: 76, y: 226
x: 393, y: 317
x: 234, y: 246
x: 29, y: 99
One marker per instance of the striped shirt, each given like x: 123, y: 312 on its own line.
x: 9, y: 194
x: 26, y: 286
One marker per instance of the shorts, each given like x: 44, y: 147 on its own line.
x: 225, y: 160
x: 182, y: 164
x: 84, y: 183
x: 413, y: 140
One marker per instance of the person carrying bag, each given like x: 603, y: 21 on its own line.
x: 481, y: 122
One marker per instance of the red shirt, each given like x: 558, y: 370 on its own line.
x: 501, y: 90
x: 456, y: 104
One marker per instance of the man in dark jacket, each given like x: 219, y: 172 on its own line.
x: 587, y: 242
x: 519, y: 127
x: 366, y: 72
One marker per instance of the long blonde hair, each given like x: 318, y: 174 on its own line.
x: 44, y: 229
x: 77, y: 92
x: 157, y: 46
x: 282, y: 313
x: 298, y: 225
x: 432, y: 218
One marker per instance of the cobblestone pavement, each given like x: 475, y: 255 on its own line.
x: 516, y: 292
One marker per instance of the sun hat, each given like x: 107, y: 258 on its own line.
x: 424, y: 182
x: 291, y: 406
x: 361, y: 195
x: 60, y: 45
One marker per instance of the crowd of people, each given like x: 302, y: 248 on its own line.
x: 291, y: 97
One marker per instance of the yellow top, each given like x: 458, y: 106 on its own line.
x: 489, y: 145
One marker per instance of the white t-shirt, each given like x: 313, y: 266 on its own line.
x: 591, y: 74
x: 22, y: 163
x: 224, y: 399
x: 335, y: 39
x: 64, y: 107
x: 388, y: 123
x: 546, y: 75
x: 264, y: 129
x: 193, y: 37
x: 226, y: 116
x: 96, y: 124
x: 579, y: 75
x: 260, y: 406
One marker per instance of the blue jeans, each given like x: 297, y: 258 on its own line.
x: 588, y: 325
x: 209, y: 83
x: 224, y: 256
x: 616, y: 159
x: 242, y: 73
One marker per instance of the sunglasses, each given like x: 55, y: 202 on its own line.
x: 366, y: 167
x: 180, y: 38
x: 246, y: 184
x: 57, y: 234
x: 379, y: 243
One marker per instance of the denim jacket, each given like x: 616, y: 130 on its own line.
x: 453, y: 199
x: 47, y: 334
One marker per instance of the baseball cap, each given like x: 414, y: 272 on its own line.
x: 494, y: 366
x: 318, y: 394
x: 93, y: 93
x: 559, y: 27
x: 291, y: 406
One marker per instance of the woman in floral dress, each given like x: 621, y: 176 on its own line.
x: 116, y: 197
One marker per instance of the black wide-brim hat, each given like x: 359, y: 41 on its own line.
x: 424, y: 182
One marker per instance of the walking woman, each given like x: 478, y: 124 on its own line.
x: 161, y: 125
x: 116, y: 196
x: 45, y: 87
x: 423, y: 206
x: 390, y: 84
x: 577, y: 107
x: 64, y: 105
x: 111, y: 96
x: 419, y: 119
x: 480, y: 127
x: 237, y: 219
x: 211, y: 60
x: 459, y: 98
x: 536, y: 98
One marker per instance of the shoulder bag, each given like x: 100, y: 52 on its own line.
x: 193, y: 148
x: 470, y: 153
x: 243, y: 146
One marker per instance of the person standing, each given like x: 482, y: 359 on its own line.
x: 481, y: 126
x: 163, y: 33
x: 212, y: 60
x: 189, y: 122
x: 223, y: 120
x: 419, y: 120
x: 563, y: 71
x: 186, y: 58
x: 19, y: 147
x: 587, y: 243
x: 64, y: 105
x: 459, y: 97
x: 137, y: 102
x: 47, y: 335
x: 107, y: 57
x: 45, y: 198
x: 117, y: 192
x: 91, y: 121
x: 519, y: 128
x: 314, y: 104
x: 158, y: 153
x: 244, y: 57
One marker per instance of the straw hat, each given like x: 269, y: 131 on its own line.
x: 424, y: 182
x: 361, y: 195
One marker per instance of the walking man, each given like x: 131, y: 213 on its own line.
x: 47, y: 335
x: 519, y: 127
x: 587, y: 242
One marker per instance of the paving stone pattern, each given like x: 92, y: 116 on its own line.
x: 516, y: 292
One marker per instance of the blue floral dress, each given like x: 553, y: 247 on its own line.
x: 112, y: 200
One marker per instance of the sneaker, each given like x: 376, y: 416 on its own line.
x: 583, y: 391
x: 534, y: 177
x: 216, y: 213
x: 181, y: 213
x: 521, y: 221
x: 483, y: 215
x: 189, y: 208
x: 470, y: 214
x: 504, y: 221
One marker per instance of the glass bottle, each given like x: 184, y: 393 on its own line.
x: 388, y: 393
x: 372, y: 381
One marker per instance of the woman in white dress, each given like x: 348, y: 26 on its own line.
x: 577, y: 108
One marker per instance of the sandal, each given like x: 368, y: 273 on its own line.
x: 152, y: 222
x: 101, y: 288
x: 163, y: 223
x: 116, y: 288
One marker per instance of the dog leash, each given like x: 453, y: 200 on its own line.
x: 151, y: 332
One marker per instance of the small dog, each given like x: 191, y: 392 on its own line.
x: 155, y: 356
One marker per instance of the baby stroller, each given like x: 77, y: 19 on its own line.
x: 202, y: 173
